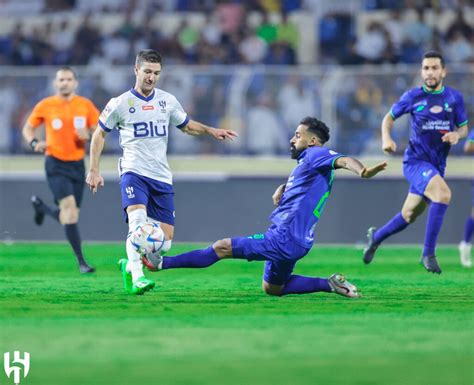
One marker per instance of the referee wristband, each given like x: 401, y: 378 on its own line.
x: 33, y: 143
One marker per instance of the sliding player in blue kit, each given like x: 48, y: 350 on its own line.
x: 300, y: 203
x: 438, y: 121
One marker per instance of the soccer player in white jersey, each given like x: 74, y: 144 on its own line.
x: 143, y: 116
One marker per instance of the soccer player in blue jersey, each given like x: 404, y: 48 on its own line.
x: 438, y: 121
x: 290, y: 237
x: 465, y: 246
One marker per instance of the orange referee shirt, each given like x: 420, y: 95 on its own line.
x: 61, y: 118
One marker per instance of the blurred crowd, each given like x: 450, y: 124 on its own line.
x: 105, y: 32
x: 263, y: 103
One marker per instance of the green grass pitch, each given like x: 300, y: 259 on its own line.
x: 215, y: 326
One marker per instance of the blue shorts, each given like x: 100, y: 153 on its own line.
x: 156, y: 196
x: 276, y: 248
x: 419, y: 173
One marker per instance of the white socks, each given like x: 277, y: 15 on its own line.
x: 136, y: 218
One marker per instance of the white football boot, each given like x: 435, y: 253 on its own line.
x: 341, y: 286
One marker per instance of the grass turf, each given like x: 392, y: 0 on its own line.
x: 215, y: 326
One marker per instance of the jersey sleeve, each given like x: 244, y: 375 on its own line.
x: 460, y: 115
x: 178, y: 117
x: 92, y: 115
x: 402, y: 106
x: 109, y: 117
x: 37, y: 116
x: 325, y: 158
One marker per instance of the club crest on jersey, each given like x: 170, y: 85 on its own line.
x: 447, y: 108
x: 436, y: 109
x: 162, y: 104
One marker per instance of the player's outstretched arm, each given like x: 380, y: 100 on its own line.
x: 94, y: 180
x: 358, y: 168
x: 195, y: 128
x: 388, y: 144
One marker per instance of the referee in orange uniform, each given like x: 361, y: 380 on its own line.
x: 69, y: 120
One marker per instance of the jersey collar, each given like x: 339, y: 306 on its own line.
x: 433, y: 92
x: 140, y: 96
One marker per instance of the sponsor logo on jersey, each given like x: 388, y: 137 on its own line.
x: 148, y: 129
x: 436, y: 109
x: 148, y: 108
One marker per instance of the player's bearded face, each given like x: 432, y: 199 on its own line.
x: 432, y: 72
x: 65, y: 83
x: 299, y: 141
x: 147, y: 76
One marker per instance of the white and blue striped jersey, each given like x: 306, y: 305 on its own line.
x: 143, y: 124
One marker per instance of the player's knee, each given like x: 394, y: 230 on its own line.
x: 272, y: 290
x: 223, y: 248
x: 444, y: 195
x: 69, y: 215
x: 409, y: 215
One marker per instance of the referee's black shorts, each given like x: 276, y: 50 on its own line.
x: 65, y: 178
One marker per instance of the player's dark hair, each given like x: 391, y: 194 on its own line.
x: 317, y: 127
x: 70, y: 69
x: 435, y: 55
x: 147, y: 56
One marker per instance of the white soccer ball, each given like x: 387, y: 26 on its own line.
x: 148, y: 238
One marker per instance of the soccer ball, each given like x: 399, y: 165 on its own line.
x: 148, y: 238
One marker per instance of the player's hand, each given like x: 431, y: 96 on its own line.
x: 94, y: 181
x: 369, y: 172
x: 40, y: 146
x: 83, y: 134
x: 222, y: 134
x: 451, y: 138
x: 278, y: 193
x: 389, y: 146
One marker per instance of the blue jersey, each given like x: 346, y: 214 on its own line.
x: 306, y: 192
x: 432, y: 115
